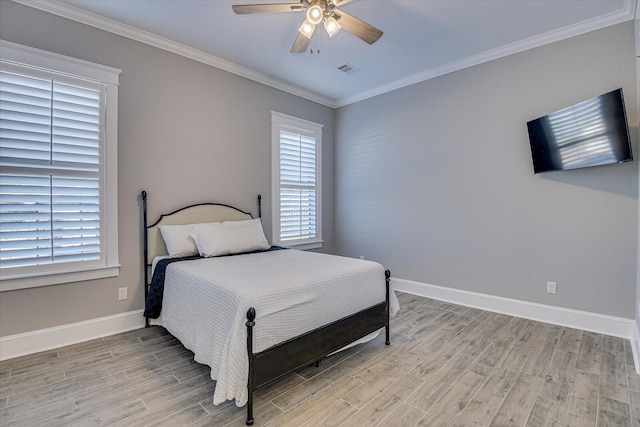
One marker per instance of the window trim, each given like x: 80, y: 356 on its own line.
x: 25, y: 56
x: 280, y: 121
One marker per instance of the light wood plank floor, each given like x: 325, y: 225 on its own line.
x: 447, y: 366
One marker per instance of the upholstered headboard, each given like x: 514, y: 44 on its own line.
x: 193, y: 214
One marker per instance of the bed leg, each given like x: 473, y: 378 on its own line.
x: 317, y: 363
x: 251, y: 316
x: 145, y: 251
x: 387, y: 276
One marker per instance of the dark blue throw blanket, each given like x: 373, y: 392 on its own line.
x: 153, y: 304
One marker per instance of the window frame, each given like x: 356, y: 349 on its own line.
x: 282, y: 122
x: 13, y: 54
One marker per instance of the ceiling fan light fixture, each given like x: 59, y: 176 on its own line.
x: 314, y: 14
x: 307, y: 29
x: 331, y: 26
x: 317, y: 12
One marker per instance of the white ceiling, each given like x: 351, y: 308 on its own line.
x: 422, y: 38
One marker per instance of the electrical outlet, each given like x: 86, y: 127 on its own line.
x: 122, y: 294
x: 551, y: 288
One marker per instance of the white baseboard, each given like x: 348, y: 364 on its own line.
x: 46, y: 339
x: 594, y: 322
x: 635, y: 343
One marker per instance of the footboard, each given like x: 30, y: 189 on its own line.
x: 272, y: 363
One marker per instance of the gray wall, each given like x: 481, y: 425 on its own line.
x: 411, y: 189
x: 187, y: 133
x: 435, y: 181
x: 637, y: 306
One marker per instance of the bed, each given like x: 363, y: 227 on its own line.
x: 250, y: 316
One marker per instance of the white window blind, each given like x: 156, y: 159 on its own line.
x: 297, y: 190
x: 58, y: 199
x: 50, y: 184
x: 297, y: 186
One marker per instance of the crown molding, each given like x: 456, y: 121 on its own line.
x: 626, y: 13
x: 73, y: 13
x: 622, y: 15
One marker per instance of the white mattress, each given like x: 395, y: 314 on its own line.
x: 206, y: 300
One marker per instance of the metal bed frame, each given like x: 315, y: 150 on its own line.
x: 273, y: 363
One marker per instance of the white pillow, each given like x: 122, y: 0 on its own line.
x: 229, y: 237
x: 178, y: 240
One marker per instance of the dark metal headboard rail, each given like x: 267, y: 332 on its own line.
x: 195, y: 205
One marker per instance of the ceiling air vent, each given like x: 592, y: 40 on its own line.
x: 348, y: 68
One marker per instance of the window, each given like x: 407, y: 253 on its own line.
x: 297, y: 178
x: 58, y: 200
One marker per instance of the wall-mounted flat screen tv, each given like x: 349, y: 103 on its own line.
x: 591, y: 133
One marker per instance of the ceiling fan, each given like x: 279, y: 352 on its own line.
x: 318, y: 11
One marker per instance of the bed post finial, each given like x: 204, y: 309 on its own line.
x: 259, y: 205
x: 251, y: 316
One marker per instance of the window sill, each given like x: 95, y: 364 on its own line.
x: 304, y: 246
x: 12, y: 283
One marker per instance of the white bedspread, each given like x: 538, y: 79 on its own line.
x: 205, y: 304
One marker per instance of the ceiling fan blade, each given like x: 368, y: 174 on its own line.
x: 301, y: 44
x: 245, y: 9
x: 358, y: 28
